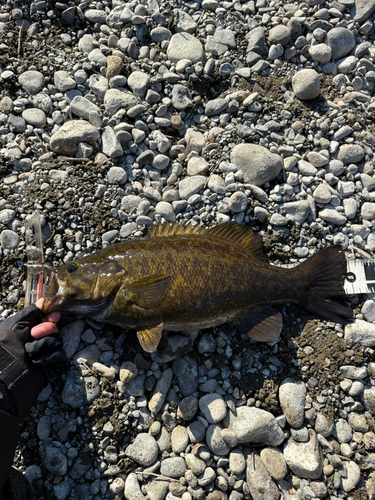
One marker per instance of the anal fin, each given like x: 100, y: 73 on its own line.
x: 149, y: 338
x: 263, y: 325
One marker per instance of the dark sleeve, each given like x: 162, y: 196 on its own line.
x: 20, y: 384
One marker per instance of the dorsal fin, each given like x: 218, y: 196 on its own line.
x: 160, y: 230
x: 250, y: 241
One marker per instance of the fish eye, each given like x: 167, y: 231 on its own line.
x: 72, y: 267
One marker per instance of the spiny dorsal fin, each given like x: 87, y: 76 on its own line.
x: 250, y: 241
x: 160, y: 230
x: 149, y: 338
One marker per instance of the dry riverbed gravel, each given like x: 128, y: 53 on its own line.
x: 116, y: 115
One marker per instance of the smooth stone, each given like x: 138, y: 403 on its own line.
x: 132, y: 489
x: 179, y: 439
x: 143, y: 450
x: 116, y: 175
x: 341, y: 40
x: 195, y: 464
x: 63, y: 81
x: 360, y: 332
x: 305, y: 459
x: 54, y: 460
x: 306, y: 84
x: 65, y: 141
x: 197, y: 166
x: 368, y: 211
x: 31, y: 81
x: 350, y: 153
x: 256, y: 162
x: 187, y: 408
x: 351, y: 476
x: 237, y: 462
x: 354, y: 372
x: 342, y: 431
x: 292, y: 395
x: 321, y: 53
x: 116, y: 99
x: 253, y: 425
x: 368, y: 398
x: 35, y: 117
x: 259, y: 481
x: 368, y: 308
x: 213, y: 407
x: 138, y: 82
x: 332, y: 216
x: 174, y: 467
x: 111, y: 146
x: 82, y: 107
x: 214, y: 440
x: 191, y: 185
x: 279, y: 34
x: 161, y: 388
x: 274, y: 461
x: 296, y: 211
x: 79, y: 391
x: 362, y: 10
x: 185, y: 46
x: 71, y: 335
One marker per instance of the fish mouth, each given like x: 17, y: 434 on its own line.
x: 56, y: 303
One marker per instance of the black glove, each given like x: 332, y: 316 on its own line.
x: 22, y: 377
x: 47, y: 351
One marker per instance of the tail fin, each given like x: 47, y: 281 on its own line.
x: 325, y: 273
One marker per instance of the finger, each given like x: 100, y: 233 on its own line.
x: 39, y: 303
x: 43, y: 330
x: 52, y: 318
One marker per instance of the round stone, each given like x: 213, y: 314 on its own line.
x: 31, y: 81
x: 35, y: 117
x: 341, y: 41
x: 9, y: 239
x: 257, y: 164
x: 173, y: 467
x: 306, y: 84
x: 185, y: 46
x: 238, y: 202
x: 143, y: 450
x: 213, y: 407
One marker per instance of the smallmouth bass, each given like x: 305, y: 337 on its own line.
x: 188, y: 278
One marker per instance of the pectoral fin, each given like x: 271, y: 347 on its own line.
x: 263, y: 325
x: 150, y: 291
x: 149, y: 338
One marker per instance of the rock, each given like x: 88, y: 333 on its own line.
x: 54, y: 460
x: 181, y: 97
x: 279, y: 34
x: 342, y: 431
x: 274, y: 461
x: 351, y: 477
x: 116, y: 175
x: 256, y: 41
x: 350, y: 153
x: 368, y: 308
x: 82, y: 107
x: 257, y: 164
x: 197, y: 166
x: 114, y: 67
x: 341, y: 40
x: 65, y: 141
x: 237, y: 462
x: 157, y: 489
x: 43, y: 429
x: 132, y: 489
x: 191, y: 185
x: 292, y: 395
x: 215, y: 107
x: 63, y: 81
x: 35, y: 117
x: 216, y: 184
x: 229, y: 437
x: 185, y: 46
x: 214, y: 440
x: 165, y: 209
x: 187, y: 408
x: 237, y: 202
x: 213, y: 407
x: 369, y: 398
x: 128, y: 371
x: 31, y: 81
x: 116, y: 99
x: 304, y: 458
x: 162, y: 387
x: 252, y: 425
x: 110, y: 144
x: 195, y: 464
x: 353, y: 372
x: 179, y: 439
x: 323, y: 426
x: 138, y: 82
x: 306, y: 84
x: 362, y: 10
x: 173, y: 467
x: 368, y: 211
x: 321, y: 53
x: 9, y: 239
x: 71, y: 335
x: 322, y: 194
x: 360, y: 332
x: 79, y: 391
x: 332, y: 216
x: 259, y: 480
x: 143, y: 450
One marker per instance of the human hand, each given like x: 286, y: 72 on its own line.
x: 47, y: 326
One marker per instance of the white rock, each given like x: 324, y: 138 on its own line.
x: 306, y: 84
x: 304, y: 459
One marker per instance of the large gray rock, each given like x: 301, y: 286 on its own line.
x: 31, y: 81
x: 252, y: 425
x: 79, y: 391
x: 362, y: 10
x: 306, y: 84
x: 138, y: 82
x: 65, y: 141
x: 116, y: 99
x: 360, y: 332
x: 143, y: 450
x: 259, y: 481
x: 257, y: 41
x: 341, y: 41
x: 350, y: 153
x: 292, y: 395
x: 185, y: 46
x: 305, y: 459
x: 257, y: 164
x: 110, y: 144
x: 82, y: 107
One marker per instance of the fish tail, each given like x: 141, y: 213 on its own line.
x: 325, y: 274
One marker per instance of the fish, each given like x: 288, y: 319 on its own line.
x: 186, y: 278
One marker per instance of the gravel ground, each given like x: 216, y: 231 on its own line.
x: 117, y: 115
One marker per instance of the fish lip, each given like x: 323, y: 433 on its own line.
x: 52, y: 304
